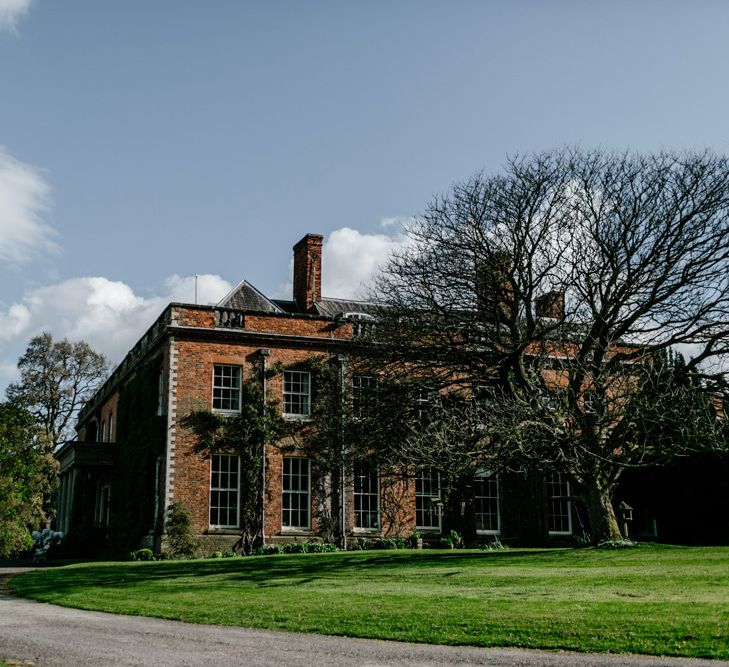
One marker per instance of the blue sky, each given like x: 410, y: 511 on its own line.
x: 145, y: 142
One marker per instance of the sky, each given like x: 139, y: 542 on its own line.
x: 143, y: 143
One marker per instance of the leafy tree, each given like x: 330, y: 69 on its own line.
x: 523, y: 325
x: 24, y: 475
x: 56, y: 379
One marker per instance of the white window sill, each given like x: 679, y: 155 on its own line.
x: 296, y: 529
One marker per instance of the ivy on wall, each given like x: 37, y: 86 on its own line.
x: 245, y: 434
x: 140, y: 442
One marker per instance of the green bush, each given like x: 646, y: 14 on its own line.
x: 180, y: 542
x: 142, y: 554
x: 295, y: 548
x: 321, y: 547
x: 229, y: 554
x: 268, y: 550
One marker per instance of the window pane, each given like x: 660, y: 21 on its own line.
x: 297, y: 393
x: 559, y: 504
x: 226, y: 388
x: 224, y: 492
x: 427, y: 487
x: 486, y: 500
x: 296, y: 495
x: 366, y: 498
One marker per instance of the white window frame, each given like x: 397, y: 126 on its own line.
x: 487, y: 477
x: 103, y: 431
x: 297, y: 493
x: 363, y: 387
x: 111, y: 425
x: 558, y: 480
x: 228, y: 488
x: 364, y: 498
x: 223, y: 388
x: 426, y: 499
x: 305, y: 396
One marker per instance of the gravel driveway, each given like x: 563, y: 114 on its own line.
x: 45, y: 634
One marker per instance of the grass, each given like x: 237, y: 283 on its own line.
x: 653, y: 599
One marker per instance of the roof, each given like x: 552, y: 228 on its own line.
x: 246, y: 297
x: 333, y: 307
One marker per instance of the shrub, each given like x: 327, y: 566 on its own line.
x: 321, y: 547
x: 268, y: 550
x: 295, y: 548
x: 229, y: 554
x: 414, y: 539
x: 141, y: 554
x: 452, y: 540
x: 180, y: 541
x: 494, y: 545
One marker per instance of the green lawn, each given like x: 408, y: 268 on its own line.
x: 652, y: 599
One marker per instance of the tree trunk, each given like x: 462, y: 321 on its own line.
x: 603, y: 523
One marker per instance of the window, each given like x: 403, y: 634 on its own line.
x: 226, y: 388
x: 103, y: 431
x: 486, y: 500
x: 560, y: 505
x: 427, y: 493
x: 297, y: 393
x: 296, y: 496
x: 366, y: 498
x: 224, y: 476
x: 161, y: 393
x: 363, y: 389
x: 111, y: 427
x: 101, y: 505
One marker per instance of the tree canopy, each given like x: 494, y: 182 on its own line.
x: 56, y: 379
x: 24, y: 479
x: 523, y: 326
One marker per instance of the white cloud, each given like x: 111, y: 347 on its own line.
x: 107, y: 314
x: 24, y: 203
x: 11, y: 11
x: 351, y: 259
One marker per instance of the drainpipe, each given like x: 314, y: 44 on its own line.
x: 264, y: 352
x: 342, y: 361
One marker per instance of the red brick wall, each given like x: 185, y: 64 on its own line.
x: 192, y: 472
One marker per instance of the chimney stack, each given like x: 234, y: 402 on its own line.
x: 307, y: 271
x: 551, y: 305
x: 494, y: 294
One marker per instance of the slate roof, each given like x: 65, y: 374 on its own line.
x: 246, y: 297
x: 334, y: 307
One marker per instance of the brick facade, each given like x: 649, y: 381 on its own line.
x: 187, y: 341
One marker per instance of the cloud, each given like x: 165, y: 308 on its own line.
x: 24, y: 204
x: 351, y: 259
x: 111, y: 317
x: 11, y: 11
x: 106, y: 314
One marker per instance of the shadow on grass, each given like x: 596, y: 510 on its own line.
x: 266, y: 570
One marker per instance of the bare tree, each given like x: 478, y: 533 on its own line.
x: 56, y: 379
x: 537, y: 300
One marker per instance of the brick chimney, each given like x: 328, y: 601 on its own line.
x: 551, y: 305
x: 494, y: 295
x: 307, y: 271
